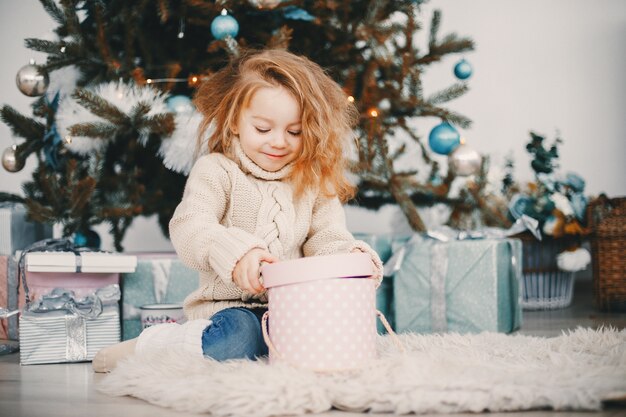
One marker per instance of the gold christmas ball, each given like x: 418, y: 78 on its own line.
x: 464, y: 161
x: 10, y: 161
x: 32, y: 80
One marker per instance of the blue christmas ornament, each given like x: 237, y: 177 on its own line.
x: 90, y: 239
x: 179, y: 104
x: 444, y: 138
x: 463, y: 70
x: 224, y: 25
x: 296, y: 13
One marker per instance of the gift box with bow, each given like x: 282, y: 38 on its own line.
x: 61, y: 327
x: 464, y: 286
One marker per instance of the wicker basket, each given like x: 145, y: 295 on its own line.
x: 544, y: 286
x: 607, y: 218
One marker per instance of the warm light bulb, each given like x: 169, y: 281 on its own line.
x: 351, y: 99
x: 374, y: 113
x: 194, y: 79
x: 149, y: 81
x: 224, y: 12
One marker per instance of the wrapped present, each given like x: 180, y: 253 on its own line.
x: 60, y: 327
x: 81, y: 272
x: 11, y: 298
x: 16, y: 232
x: 464, y: 286
x: 160, y: 278
x: 384, y: 244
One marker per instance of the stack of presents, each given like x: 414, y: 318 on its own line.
x: 59, y: 304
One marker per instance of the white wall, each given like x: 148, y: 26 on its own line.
x: 538, y: 65
x: 543, y: 65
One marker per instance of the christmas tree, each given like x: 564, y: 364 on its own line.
x: 120, y: 143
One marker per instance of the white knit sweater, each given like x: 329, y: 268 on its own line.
x: 230, y: 207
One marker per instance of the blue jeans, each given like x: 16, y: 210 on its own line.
x: 235, y: 334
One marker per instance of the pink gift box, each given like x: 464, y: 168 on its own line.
x: 41, y: 283
x: 322, y: 312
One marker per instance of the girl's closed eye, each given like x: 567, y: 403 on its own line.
x: 262, y: 130
x: 295, y: 132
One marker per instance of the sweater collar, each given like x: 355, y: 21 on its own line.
x: 250, y: 167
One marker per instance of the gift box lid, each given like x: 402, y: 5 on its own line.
x: 88, y: 262
x: 351, y: 265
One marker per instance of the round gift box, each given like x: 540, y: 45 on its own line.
x: 322, y: 311
x: 152, y: 314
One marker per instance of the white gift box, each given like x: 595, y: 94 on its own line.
x: 60, y: 336
x: 86, y: 262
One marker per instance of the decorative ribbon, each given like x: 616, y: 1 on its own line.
x: 76, y: 340
x: 89, y: 307
x: 43, y: 245
x: 160, y: 277
x: 438, y: 272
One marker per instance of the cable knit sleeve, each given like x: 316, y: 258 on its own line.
x: 329, y: 234
x: 201, y: 241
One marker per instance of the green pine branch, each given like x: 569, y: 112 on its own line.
x: 96, y: 130
x: 447, y: 94
x: 53, y: 10
x: 162, y: 124
x: 99, y: 106
x: 41, y: 45
x: 10, y: 198
x: 21, y: 125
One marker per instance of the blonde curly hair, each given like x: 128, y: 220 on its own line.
x: 327, y: 115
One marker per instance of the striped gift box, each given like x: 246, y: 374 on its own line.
x: 58, y: 336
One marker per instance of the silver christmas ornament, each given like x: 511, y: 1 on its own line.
x: 32, y: 80
x: 465, y: 161
x: 10, y: 161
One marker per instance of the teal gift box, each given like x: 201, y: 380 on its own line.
x: 160, y: 278
x: 464, y: 286
x: 384, y: 245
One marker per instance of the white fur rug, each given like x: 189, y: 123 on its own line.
x: 439, y: 374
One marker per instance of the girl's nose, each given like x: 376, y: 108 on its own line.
x: 279, y: 140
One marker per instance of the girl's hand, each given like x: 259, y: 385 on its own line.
x: 247, y: 270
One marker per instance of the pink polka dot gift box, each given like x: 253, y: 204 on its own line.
x: 322, y: 311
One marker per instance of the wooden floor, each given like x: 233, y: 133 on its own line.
x: 67, y: 390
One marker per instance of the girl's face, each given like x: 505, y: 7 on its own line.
x: 270, y: 129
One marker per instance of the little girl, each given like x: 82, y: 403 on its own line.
x: 269, y: 188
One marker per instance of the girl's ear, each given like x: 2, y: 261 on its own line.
x: 234, y: 130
